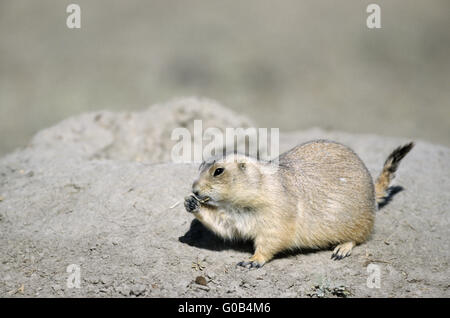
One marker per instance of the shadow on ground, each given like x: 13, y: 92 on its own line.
x: 391, y: 192
x: 201, y: 237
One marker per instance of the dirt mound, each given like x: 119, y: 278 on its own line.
x: 99, y: 191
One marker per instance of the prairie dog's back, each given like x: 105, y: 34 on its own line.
x: 334, y: 189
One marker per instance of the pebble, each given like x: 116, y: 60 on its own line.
x: 138, y: 290
x: 200, y: 280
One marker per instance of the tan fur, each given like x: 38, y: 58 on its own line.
x: 319, y: 194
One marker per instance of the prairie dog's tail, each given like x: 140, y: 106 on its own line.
x: 389, y: 168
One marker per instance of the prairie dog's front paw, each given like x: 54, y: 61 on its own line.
x: 191, y: 204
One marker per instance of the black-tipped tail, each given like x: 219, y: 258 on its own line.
x: 389, y: 169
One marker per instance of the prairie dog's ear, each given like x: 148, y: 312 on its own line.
x: 242, y: 166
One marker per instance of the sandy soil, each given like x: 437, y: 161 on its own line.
x: 74, y: 196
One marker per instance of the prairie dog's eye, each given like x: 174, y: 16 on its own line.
x: 218, y: 171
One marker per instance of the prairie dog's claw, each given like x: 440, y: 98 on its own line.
x: 250, y: 264
x: 191, y: 204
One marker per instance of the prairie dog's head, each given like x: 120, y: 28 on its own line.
x: 233, y: 179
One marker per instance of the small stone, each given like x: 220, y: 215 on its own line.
x: 138, y: 290
x: 211, y: 276
x: 200, y: 280
x: 105, y: 280
x: 138, y: 262
x: 95, y: 281
x: 205, y: 288
x: 124, y: 290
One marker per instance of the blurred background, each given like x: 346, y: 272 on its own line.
x: 290, y: 64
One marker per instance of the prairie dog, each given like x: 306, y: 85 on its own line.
x: 319, y: 194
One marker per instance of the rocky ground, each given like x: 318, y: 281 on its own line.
x: 99, y: 191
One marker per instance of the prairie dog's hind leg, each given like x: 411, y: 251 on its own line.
x: 343, y: 250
